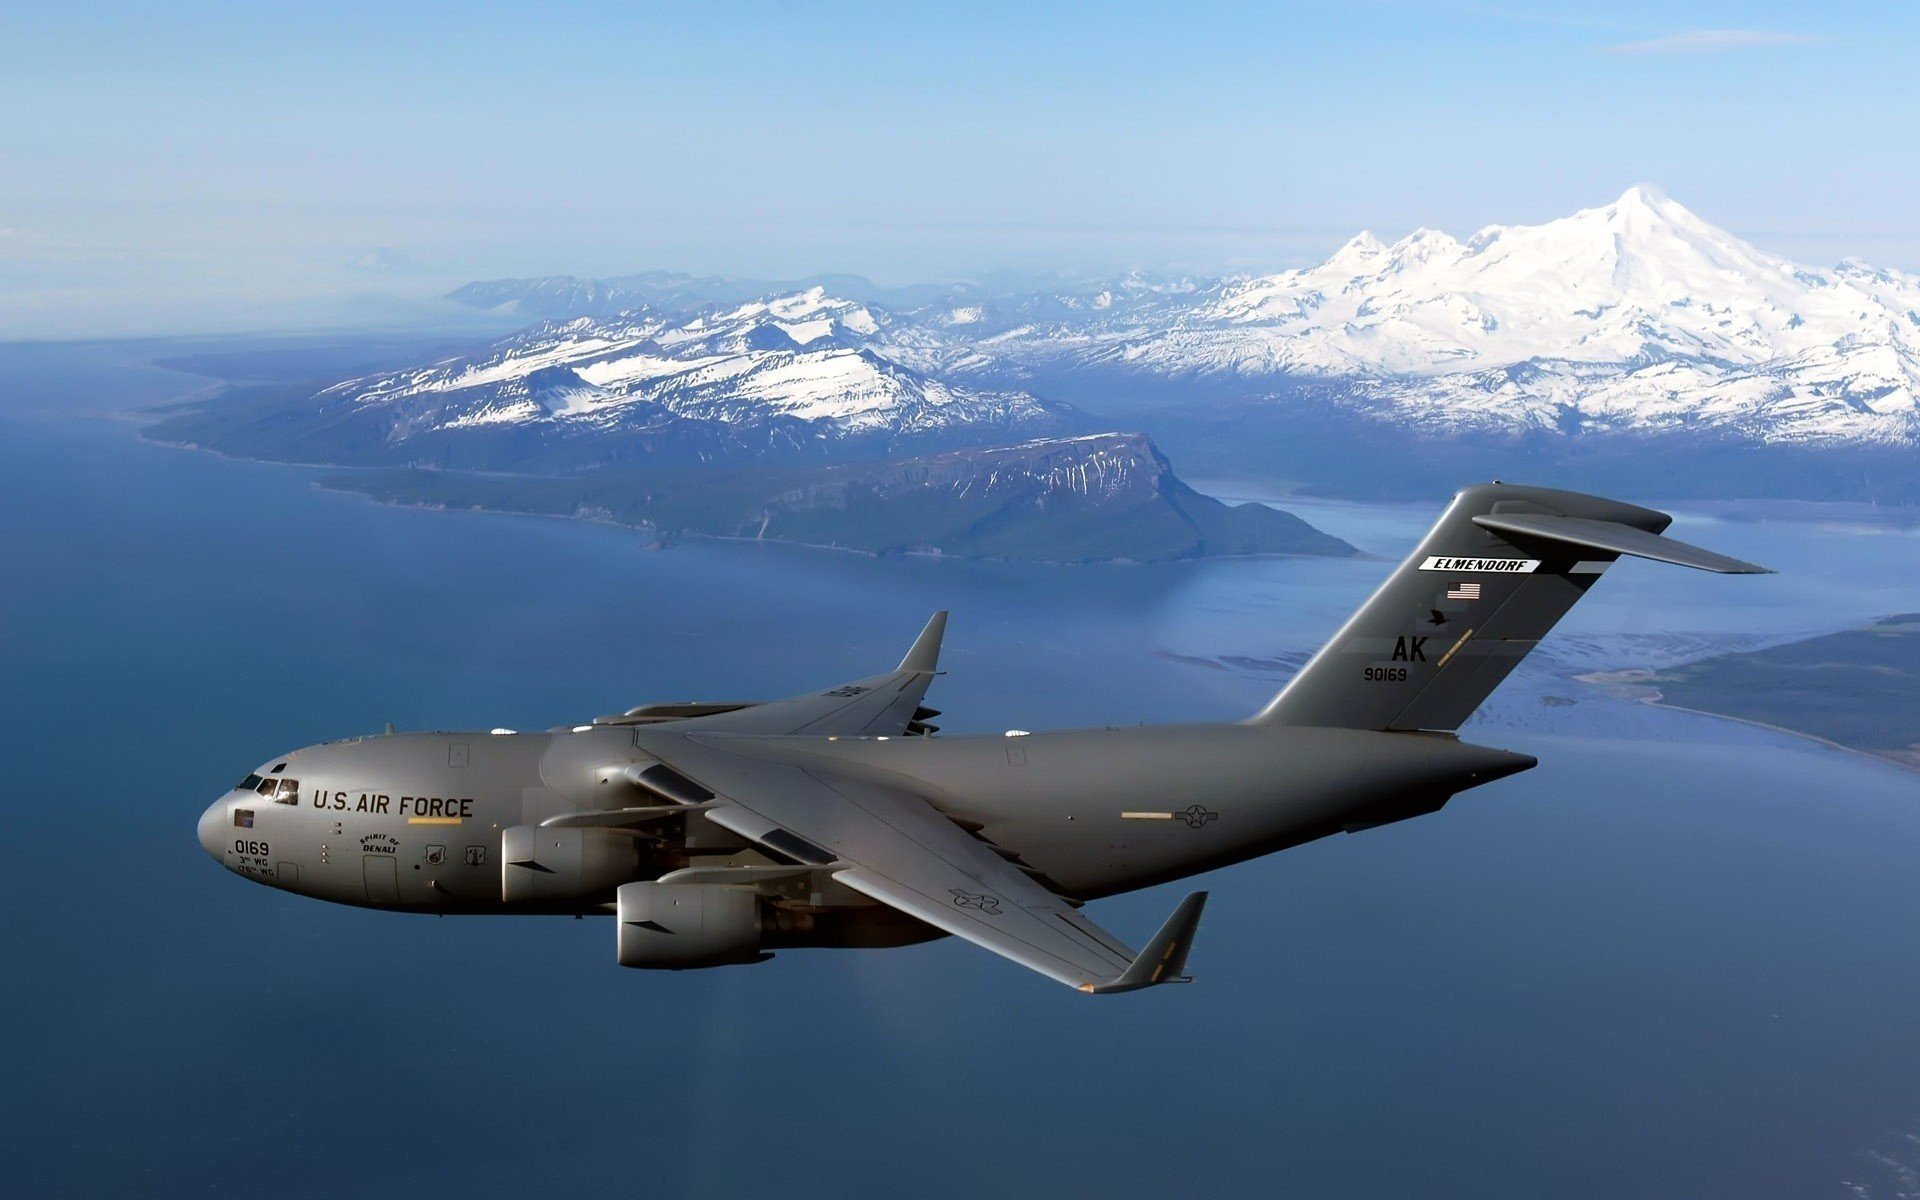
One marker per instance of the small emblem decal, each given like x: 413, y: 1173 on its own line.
x: 476, y: 856
x: 988, y: 905
x: 436, y: 855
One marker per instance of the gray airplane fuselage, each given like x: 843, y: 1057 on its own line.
x: 414, y: 821
x: 718, y: 832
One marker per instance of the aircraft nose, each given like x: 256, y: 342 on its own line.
x: 213, y: 830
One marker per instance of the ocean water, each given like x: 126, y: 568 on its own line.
x: 1680, y: 958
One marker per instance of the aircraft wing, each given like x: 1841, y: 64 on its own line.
x: 880, y: 705
x: 894, y: 846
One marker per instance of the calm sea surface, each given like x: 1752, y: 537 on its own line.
x: 1681, y: 958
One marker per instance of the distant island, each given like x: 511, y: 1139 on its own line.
x: 1858, y: 689
x: 723, y: 425
x: 1096, y: 498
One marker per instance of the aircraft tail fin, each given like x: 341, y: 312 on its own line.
x: 1502, y: 565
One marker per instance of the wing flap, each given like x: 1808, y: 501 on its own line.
x: 1068, y: 965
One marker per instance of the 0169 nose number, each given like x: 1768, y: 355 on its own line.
x: 242, y: 846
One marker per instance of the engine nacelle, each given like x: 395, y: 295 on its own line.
x: 679, y: 925
x: 562, y: 866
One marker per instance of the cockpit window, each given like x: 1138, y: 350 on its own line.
x: 248, y: 784
x: 265, y: 787
x: 289, y: 792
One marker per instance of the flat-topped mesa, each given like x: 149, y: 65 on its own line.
x: 1097, y: 497
x: 1092, y: 498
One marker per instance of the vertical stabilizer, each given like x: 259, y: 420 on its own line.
x: 1500, y: 568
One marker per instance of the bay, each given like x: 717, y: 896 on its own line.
x: 1678, y: 959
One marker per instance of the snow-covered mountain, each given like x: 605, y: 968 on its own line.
x: 783, y: 376
x: 1636, y: 316
x: 1596, y: 345
x: 1639, y: 280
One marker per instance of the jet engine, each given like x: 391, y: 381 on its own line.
x: 679, y: 925
x: 547, y: 866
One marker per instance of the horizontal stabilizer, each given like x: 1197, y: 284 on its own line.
x: 1165, y: 956
x: 1612, y: 537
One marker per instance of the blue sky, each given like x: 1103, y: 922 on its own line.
x: 201, y: 166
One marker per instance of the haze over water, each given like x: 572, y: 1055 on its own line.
x: 1677, y: 959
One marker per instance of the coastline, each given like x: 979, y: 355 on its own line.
x: 1625, y: 688
x: 657, y: 541
x: 666, y: 542
x: 147, y: 416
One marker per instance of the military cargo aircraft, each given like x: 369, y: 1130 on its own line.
x: 717, y: 833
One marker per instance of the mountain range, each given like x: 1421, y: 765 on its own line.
x: 771, y: 419
x: 1632, y: 346
x: 1636, y: 317
x: 791, y: 377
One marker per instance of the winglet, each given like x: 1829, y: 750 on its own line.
x: 925, y: 655
x: 1165, y: 956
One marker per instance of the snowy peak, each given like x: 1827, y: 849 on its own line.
x: 792, y: 369
x: 812, y: 319
x: 1359, y: 254
x: 1593, y: 301
x: 1645, y: 255
x: 1639, y: 279
x: 808, y: 316
x: 1632, y: 315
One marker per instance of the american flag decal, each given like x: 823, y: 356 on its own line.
x: 1464, y: 591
